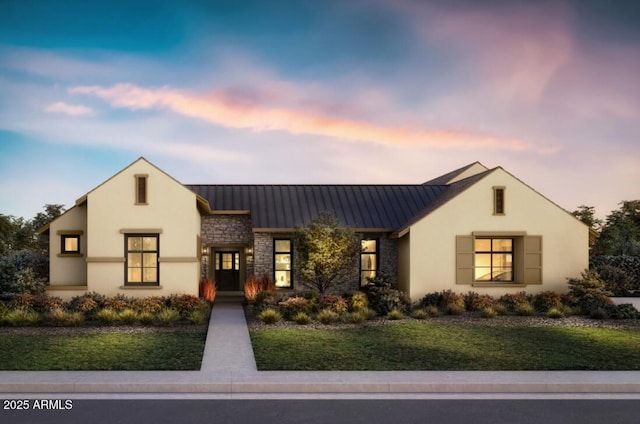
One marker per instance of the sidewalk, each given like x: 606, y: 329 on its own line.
x: 229, y: 369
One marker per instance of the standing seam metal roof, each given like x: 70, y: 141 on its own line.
x: 288, y: 206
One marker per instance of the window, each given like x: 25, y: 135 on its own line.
x: 498, y: 200
x: 494, y: 259
x: 141, y: 189
x: 368, y: 260
x: 70, y: 244
x: 282, y: 261
x: 142, y: 251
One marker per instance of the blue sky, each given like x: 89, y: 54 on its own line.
x: 364, y: 91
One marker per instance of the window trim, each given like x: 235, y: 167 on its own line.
x: 63, y: 249
x: 499, y: 200
x: 376, y: 254
x: 142, y: 189
x: 127, y: 283
x: 492, y: 252
x: 290, y: 253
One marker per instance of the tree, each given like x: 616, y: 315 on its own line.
x: 587, y: 214
x: 326, y: 253
x: 17, y: 234
x: 621, y: 232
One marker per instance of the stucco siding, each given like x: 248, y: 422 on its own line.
x: 171, y: 211
x: 433, y: 239
x: 68, y: 270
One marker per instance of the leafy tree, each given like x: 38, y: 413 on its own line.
x: 587, y: 214
x: 326, y: 253
x: 621, y: 232
x: 17, y: 234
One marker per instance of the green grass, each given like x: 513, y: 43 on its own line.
x: 112, y: 351
x: 437, y: 346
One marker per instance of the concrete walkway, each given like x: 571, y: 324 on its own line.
x: 228, y: 346
x: 229, y: 371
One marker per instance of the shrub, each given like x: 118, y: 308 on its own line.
x: 88, y: 304
x: 555, y: 313
x: 511, y: 301
x: 197, y: 316
x: 44, y: 303
x: 168, y: 316
x: 75, y: 319
x: 207, y: 290
x: 432, y: 311
x: 23, y: 301
x: 621, y: 274
x: 151, y: 304
x: 383, y: 297
x: 266, y: 299
x: 3, y: 309
x: 443, y: 299
x: 368, y: 313
x: 118, y: 303
x: 356, y: 317
x: 454, y: 308
x: 183, y: 303
x: 292, y: 306
x: 128, y: 316
x: 145, y: 317
x: 488, y: 312
x: 58, y: 317
x: 23, y: 272
x: 327, y: 316
x: 546, y: 300
x: 21, y: 317
x: 624, y: 311
x: 419, y: 314
x: 302, y: 318
x: 335, y: 303
x: 567, y: 310
x: 599, y: 313
x: 254, y: 285
x: 270, y: 316
x: 500, y: 309
x: 358, y: 301
x: 589, y: 291
x: 476, y: 302
x: 525, y: 309
x: 395, y: 314
x: 107, y: 316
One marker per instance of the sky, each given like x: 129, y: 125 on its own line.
x: 360, y: 91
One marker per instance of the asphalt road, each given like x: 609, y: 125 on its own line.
x: 325, y: 411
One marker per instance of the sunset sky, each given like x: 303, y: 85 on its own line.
x: 363, y: 91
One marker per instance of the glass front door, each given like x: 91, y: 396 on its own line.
x: 227, y: 271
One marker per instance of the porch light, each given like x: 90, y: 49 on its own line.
x: 248, y: 250
x: 205, y: 250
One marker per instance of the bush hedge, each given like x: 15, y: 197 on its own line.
x: 621, y: 274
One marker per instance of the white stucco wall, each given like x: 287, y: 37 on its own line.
x: 433, y: 250
x: 171, y: 209
x: 68, y: 270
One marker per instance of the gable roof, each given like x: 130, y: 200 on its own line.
x: 369, y: 207
x: 364, y: 207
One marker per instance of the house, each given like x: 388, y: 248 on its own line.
x: 143, y: 233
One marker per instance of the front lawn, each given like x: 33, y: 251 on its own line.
x: 447, y: 346
x: 117, y: 350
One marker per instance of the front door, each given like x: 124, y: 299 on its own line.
x: 227, y: 271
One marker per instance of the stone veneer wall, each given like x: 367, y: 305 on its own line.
x: 228, y: 230
x: 263, y: 259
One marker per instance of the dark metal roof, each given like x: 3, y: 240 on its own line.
x: 287, y: 206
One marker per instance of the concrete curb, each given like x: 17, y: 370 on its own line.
x: 279, y: 382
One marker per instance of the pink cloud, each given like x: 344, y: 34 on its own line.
x: 226, y: 109
x: 67, y: 109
